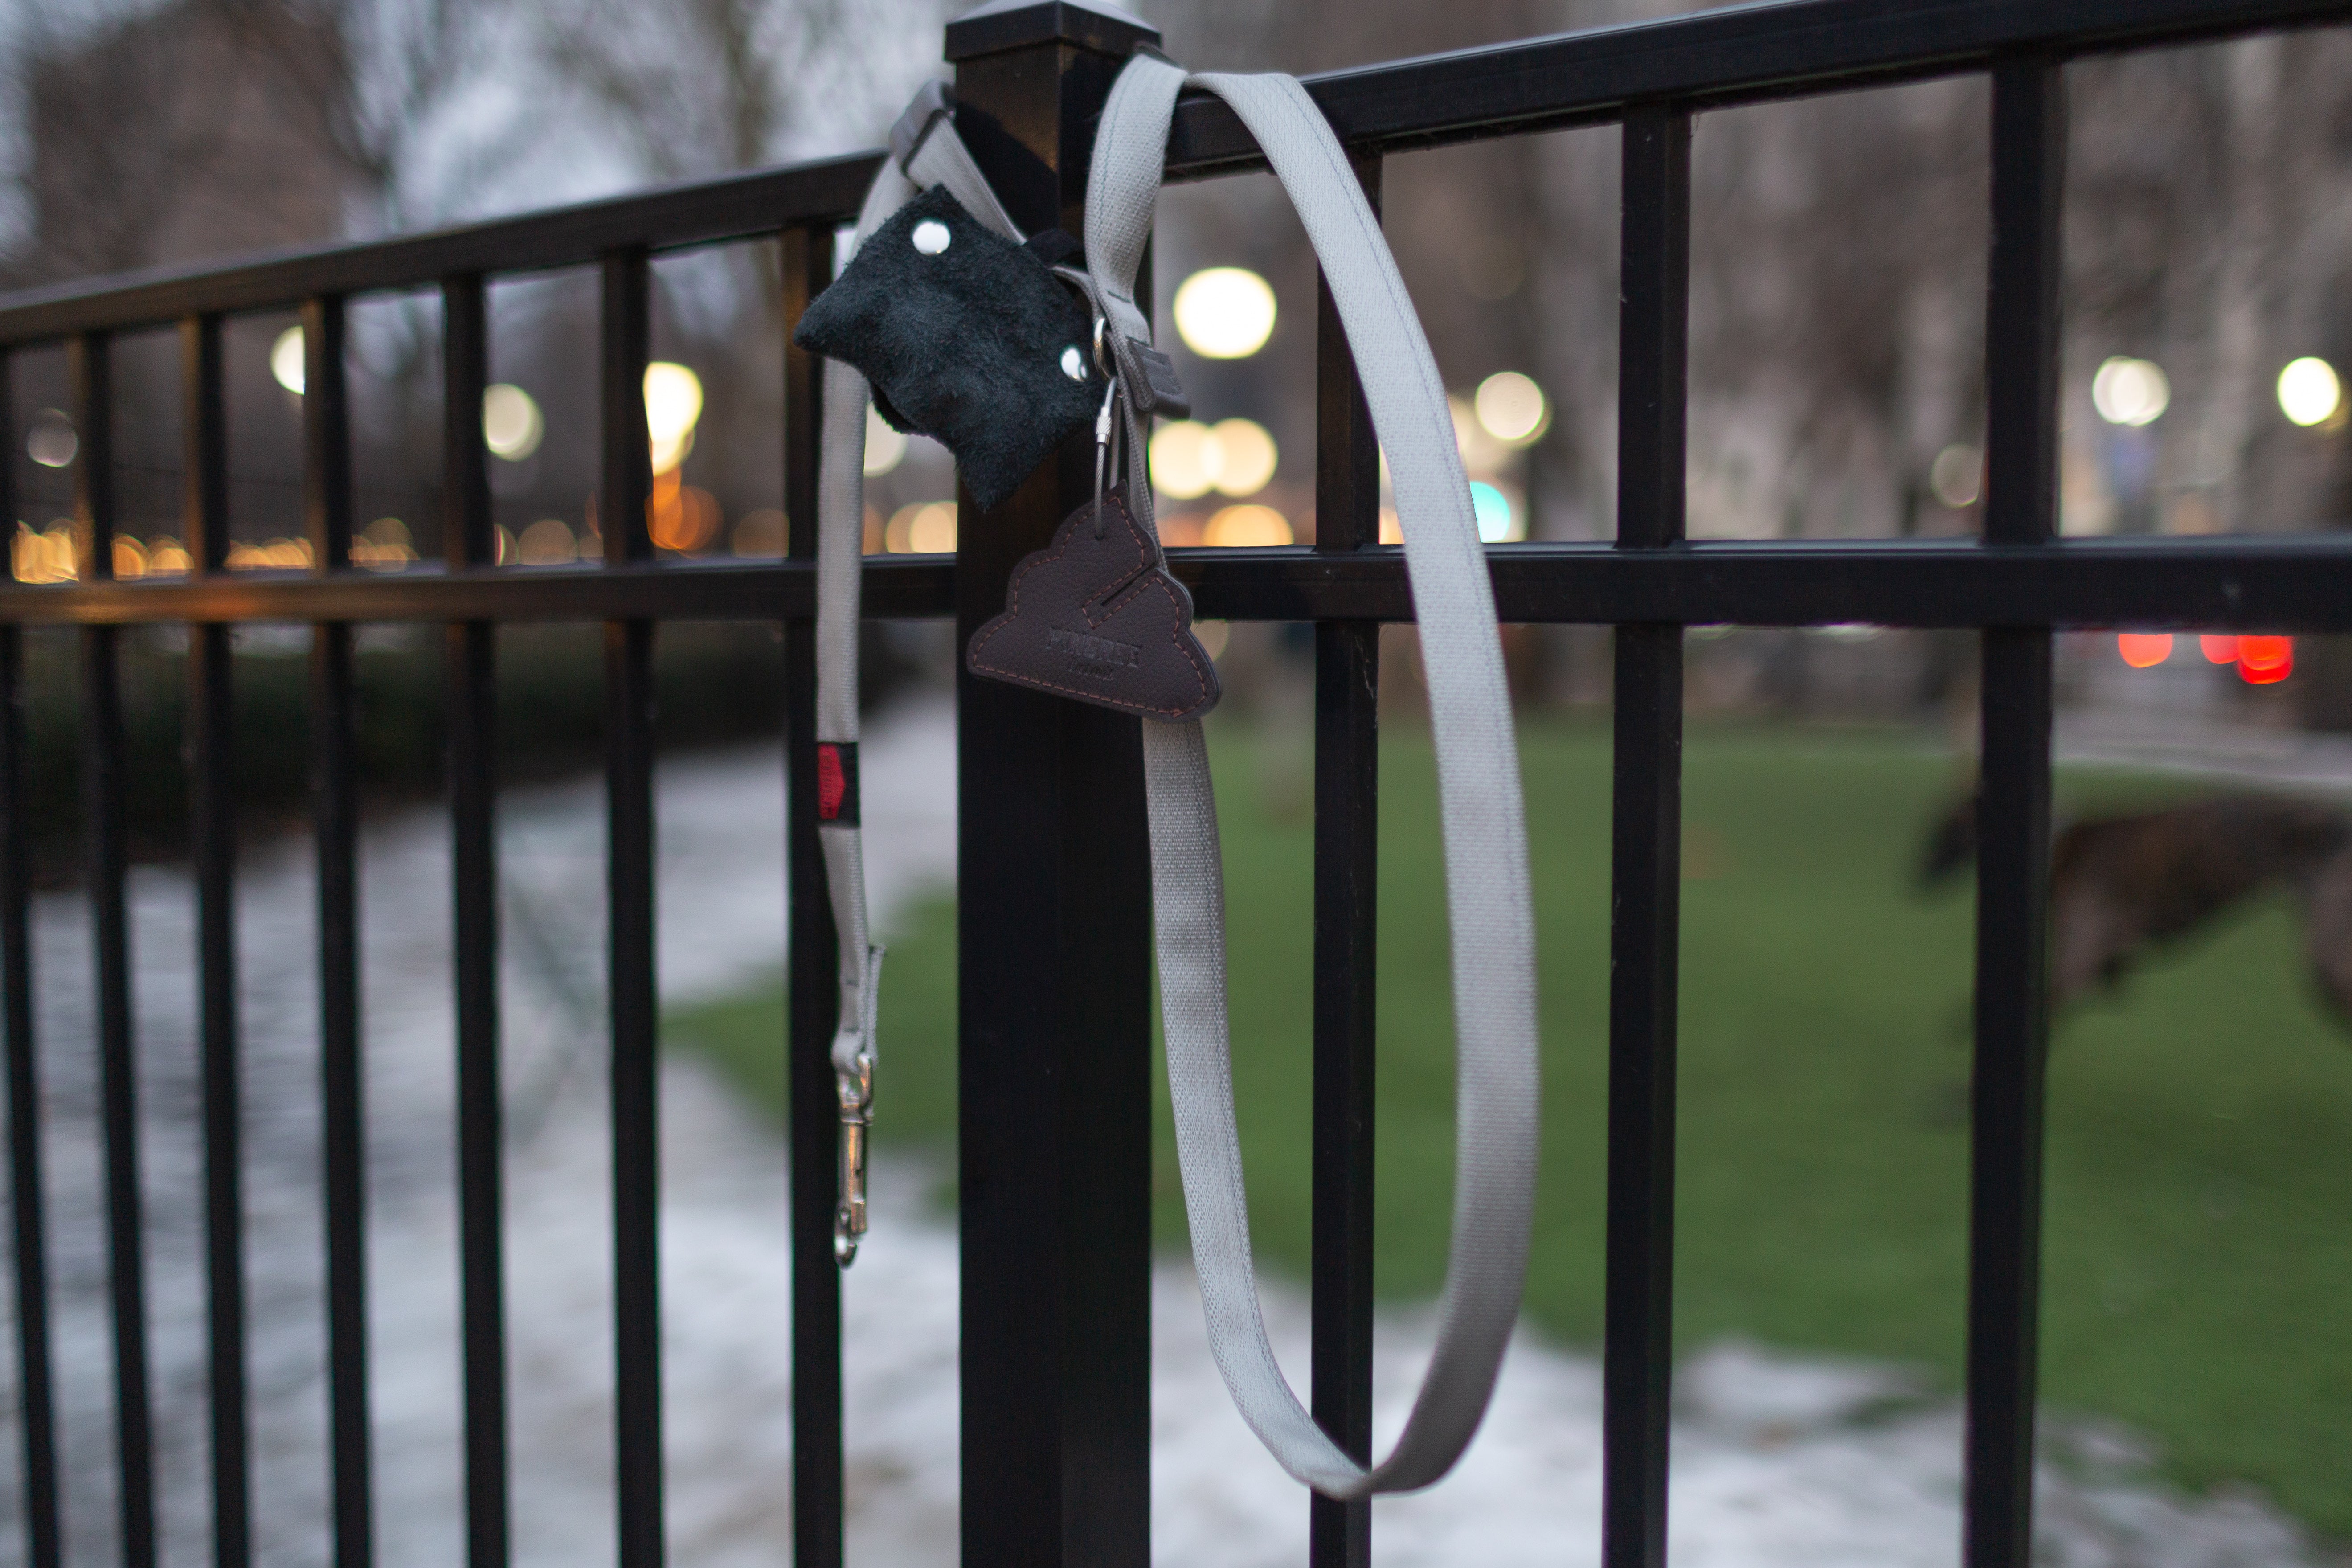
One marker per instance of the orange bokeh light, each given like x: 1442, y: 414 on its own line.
x: 2141, y: 650
x: 681, y: 517
x: 2218, y: 650
x: 2263, y: 660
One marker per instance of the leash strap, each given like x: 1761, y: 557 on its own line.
x: 925, y: 151
x: 1487, y: 897
x: 1483, y: 818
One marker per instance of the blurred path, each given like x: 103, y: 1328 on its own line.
x: 2244, y: 755
x: 1779, y: 1460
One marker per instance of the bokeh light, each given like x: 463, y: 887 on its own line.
x: 1181, y: 461
x: 1247, y: 525
x: 672, y: 405
x: 286, y: 360
x: 547, y: 543
x: 512, y: 423
x: 934, y: 533
x: 926, y: 528
x: 1234, y: 457
x: 1512, y: 408
x: 1245, y: 457
x: 2130, y: 391
x: 384, y: 546
x: 2217, y: 650
x: 885, y: 448
x: 2264, y: 660
x: 270, y: 555
x: 2309, y: 392
x: 51, y: 442
x: 1482, y: 454
x: 44, y: 557
x: 2143, y: 650
x: 681, y: 517
x: 1497, y: 517
x: 1225, y: 312
x: 1957, y: 475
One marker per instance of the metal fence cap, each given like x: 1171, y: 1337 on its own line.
x: 1017, y: 24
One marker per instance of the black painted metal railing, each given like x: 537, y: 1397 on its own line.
x: 1054, y: 874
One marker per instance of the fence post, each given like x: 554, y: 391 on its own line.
x: 1055, y: 887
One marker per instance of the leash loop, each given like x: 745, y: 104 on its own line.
x: 1488, y: 899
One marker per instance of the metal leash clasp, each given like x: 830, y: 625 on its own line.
x: 856, y: 1092
x: 1104, y: 422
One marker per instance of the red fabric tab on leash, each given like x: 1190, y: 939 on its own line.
x: 837, y: 781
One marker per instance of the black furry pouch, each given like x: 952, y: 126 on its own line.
x: 964, y: 336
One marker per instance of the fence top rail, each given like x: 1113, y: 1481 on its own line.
x: 1738, y: 54
x: 1708, y: 58
x: 705, y: 212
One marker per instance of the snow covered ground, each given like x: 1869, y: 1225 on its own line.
x: 1777, y: 1461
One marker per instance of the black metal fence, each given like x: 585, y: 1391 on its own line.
x: 1053, y: 872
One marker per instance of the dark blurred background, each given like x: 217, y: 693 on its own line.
x: 1837, y: 297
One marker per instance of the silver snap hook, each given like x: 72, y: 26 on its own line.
x: 1102, y: 352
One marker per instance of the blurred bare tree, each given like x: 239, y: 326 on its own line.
x: 398, y: 64
x: 211, y: 127
x: 166, y: 137
x: 698, y: 86
x: 693, y: 87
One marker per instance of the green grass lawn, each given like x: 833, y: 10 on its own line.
x: 2198, y: 1243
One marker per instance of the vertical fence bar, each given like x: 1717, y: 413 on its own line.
x: 1054, y: 939
x: 211, y: 832
x: 102, y: 783
x: 335, y: 741
x: 811, y: 952
x: 466, y: 542
x: 2021, y: 355
x: 334, y: 785
x: 626, y: 471
x: 44, y: 1542
x: 1647, y: 851
x: 326, y: 437
x: 629, y: 787
x: 1347, y: 868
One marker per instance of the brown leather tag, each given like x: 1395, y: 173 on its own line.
x: 1099, y: 619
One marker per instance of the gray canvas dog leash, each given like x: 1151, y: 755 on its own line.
x: 925, y: 151
x: 1487, y: 897
x: 1483, y: 819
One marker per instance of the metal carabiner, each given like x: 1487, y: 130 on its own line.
x: 1103, y: 358
x: 856, y: 1093
x: 1103, y: 426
